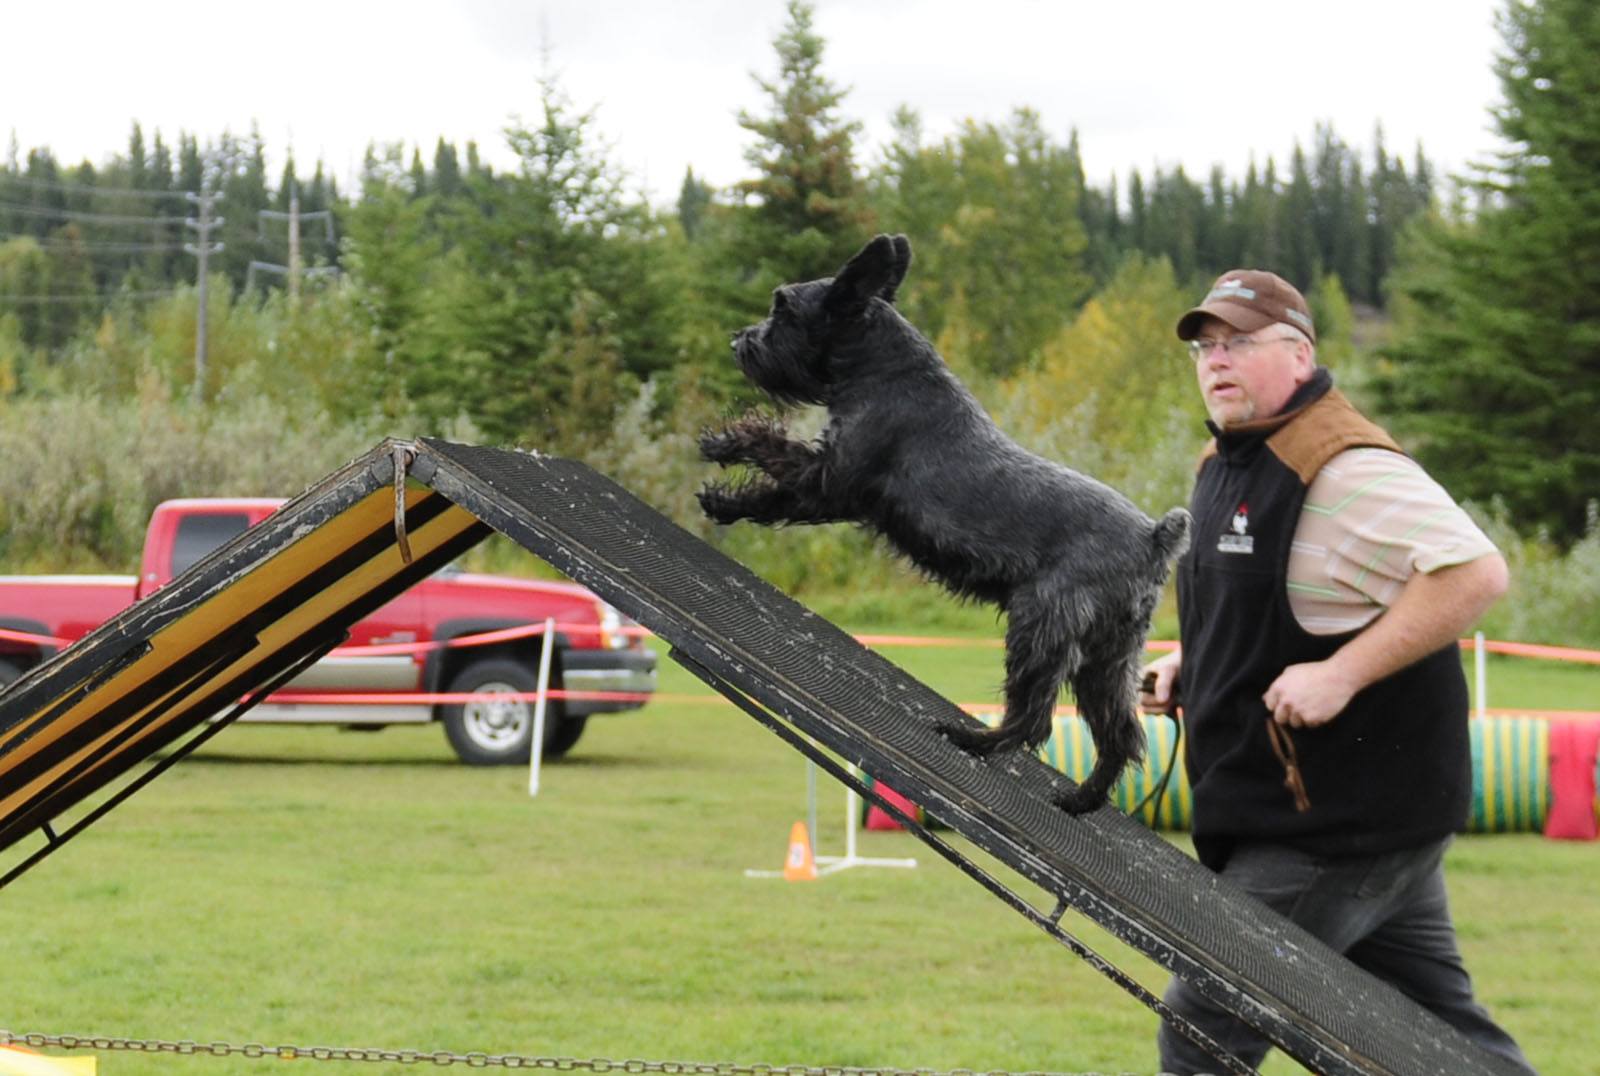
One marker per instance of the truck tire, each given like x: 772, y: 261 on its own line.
x: 496, y: 733
x: 10, y: 670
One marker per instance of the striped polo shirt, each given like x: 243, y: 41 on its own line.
x: 1371, y: 519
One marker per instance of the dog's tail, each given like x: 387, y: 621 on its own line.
x: 1170, y: 538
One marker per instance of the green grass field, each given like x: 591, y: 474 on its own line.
x: 322, y: 887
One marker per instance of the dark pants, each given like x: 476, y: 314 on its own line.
x: 1386, y: 913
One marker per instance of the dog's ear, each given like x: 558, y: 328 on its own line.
x: 876, y: 270
x: 902, y: 257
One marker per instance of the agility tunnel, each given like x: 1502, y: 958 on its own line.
x: 1529, y: 775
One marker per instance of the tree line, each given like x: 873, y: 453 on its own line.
x: 75, y: 239
x: 546, y: 305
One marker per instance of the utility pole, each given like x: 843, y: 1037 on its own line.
x: 294, y: 270
x: 202, y: 248
x: 294, y: 244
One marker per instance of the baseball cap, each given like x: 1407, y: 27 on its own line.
x: 1250, y: 299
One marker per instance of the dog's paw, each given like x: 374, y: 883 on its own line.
x: 721, y: 505
x: 721, y: 446
x: 1079, y: 800
x: 978, y: 742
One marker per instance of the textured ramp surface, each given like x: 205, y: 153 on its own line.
x: 1323, y: 1011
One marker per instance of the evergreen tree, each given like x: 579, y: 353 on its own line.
x: 1297, y: 221
x: 239, y: 168
x: 191, y: 168
x: 47, y: 198
x: 1497, y: 362
x: 1174, y: 222
x: 475, y: 166
x: 808, y: 210
x: 319, y: 194
x: 1355, y: 241
x: 1218, y: 239
x: 1137, y: 214
x: 1257, y: 214
x: 419, y: 175
x: 447, y: 181
x: 1328, y: 203
x: 138, y: 167
x: 165, y: 263
x: 694, y: 197
x: 545, y: 311
x: 286, y: 186
x: 1098, y: 214
x: 1392, y: 204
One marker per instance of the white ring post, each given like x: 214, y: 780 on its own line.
x: 536, y: 747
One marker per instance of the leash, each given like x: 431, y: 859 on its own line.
x: 1157, y: 793
x: 1283, y: 747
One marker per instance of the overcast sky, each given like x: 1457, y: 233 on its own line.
x: 1145, y: 82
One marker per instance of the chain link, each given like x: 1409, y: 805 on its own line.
x: 635, y: 1066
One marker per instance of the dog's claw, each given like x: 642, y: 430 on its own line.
x: 719, y: 448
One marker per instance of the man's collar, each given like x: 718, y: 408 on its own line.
x: 1246, y: 434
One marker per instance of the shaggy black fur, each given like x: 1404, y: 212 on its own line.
x: 909, y: 453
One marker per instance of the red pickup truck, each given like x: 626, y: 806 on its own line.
x: 424, y: 644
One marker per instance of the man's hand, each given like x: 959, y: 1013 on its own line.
x: 1432, y: 611
x: 1305, y: 696
x: 1161, y: 695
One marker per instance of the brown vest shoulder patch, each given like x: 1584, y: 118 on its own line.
x: 1322, y: 431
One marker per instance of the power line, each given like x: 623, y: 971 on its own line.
x: 24, y: 210
x: 88, y: 188
x: 91, y: 246
x: 86, y: 297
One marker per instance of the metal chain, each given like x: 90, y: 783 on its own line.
x: 189, y: 1047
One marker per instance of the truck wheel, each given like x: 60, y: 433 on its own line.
x: 9, y: 671
x: 566, y: 734
x: 494, y: 732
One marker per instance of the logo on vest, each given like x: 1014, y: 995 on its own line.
x: 1238, y: 539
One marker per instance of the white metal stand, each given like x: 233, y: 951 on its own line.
x: 536, y: 747
x: 833, y: 864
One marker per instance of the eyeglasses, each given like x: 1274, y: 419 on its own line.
x: 1234, y: 345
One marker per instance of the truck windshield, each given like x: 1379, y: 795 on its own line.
x: 200, y: 534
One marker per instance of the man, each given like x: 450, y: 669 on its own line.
x: 1326, y: 583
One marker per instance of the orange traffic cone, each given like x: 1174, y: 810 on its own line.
x: 800, y: 866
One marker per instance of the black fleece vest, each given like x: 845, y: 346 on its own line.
x: 1392, y: 771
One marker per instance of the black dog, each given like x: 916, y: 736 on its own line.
x: 910, y: 453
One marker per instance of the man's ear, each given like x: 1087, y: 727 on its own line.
x: 876, y: 270
x: 1305, y: 357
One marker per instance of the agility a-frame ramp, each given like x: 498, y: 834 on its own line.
x: 170, y: 671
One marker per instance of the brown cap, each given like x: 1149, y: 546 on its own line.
x: 1250, y: 299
